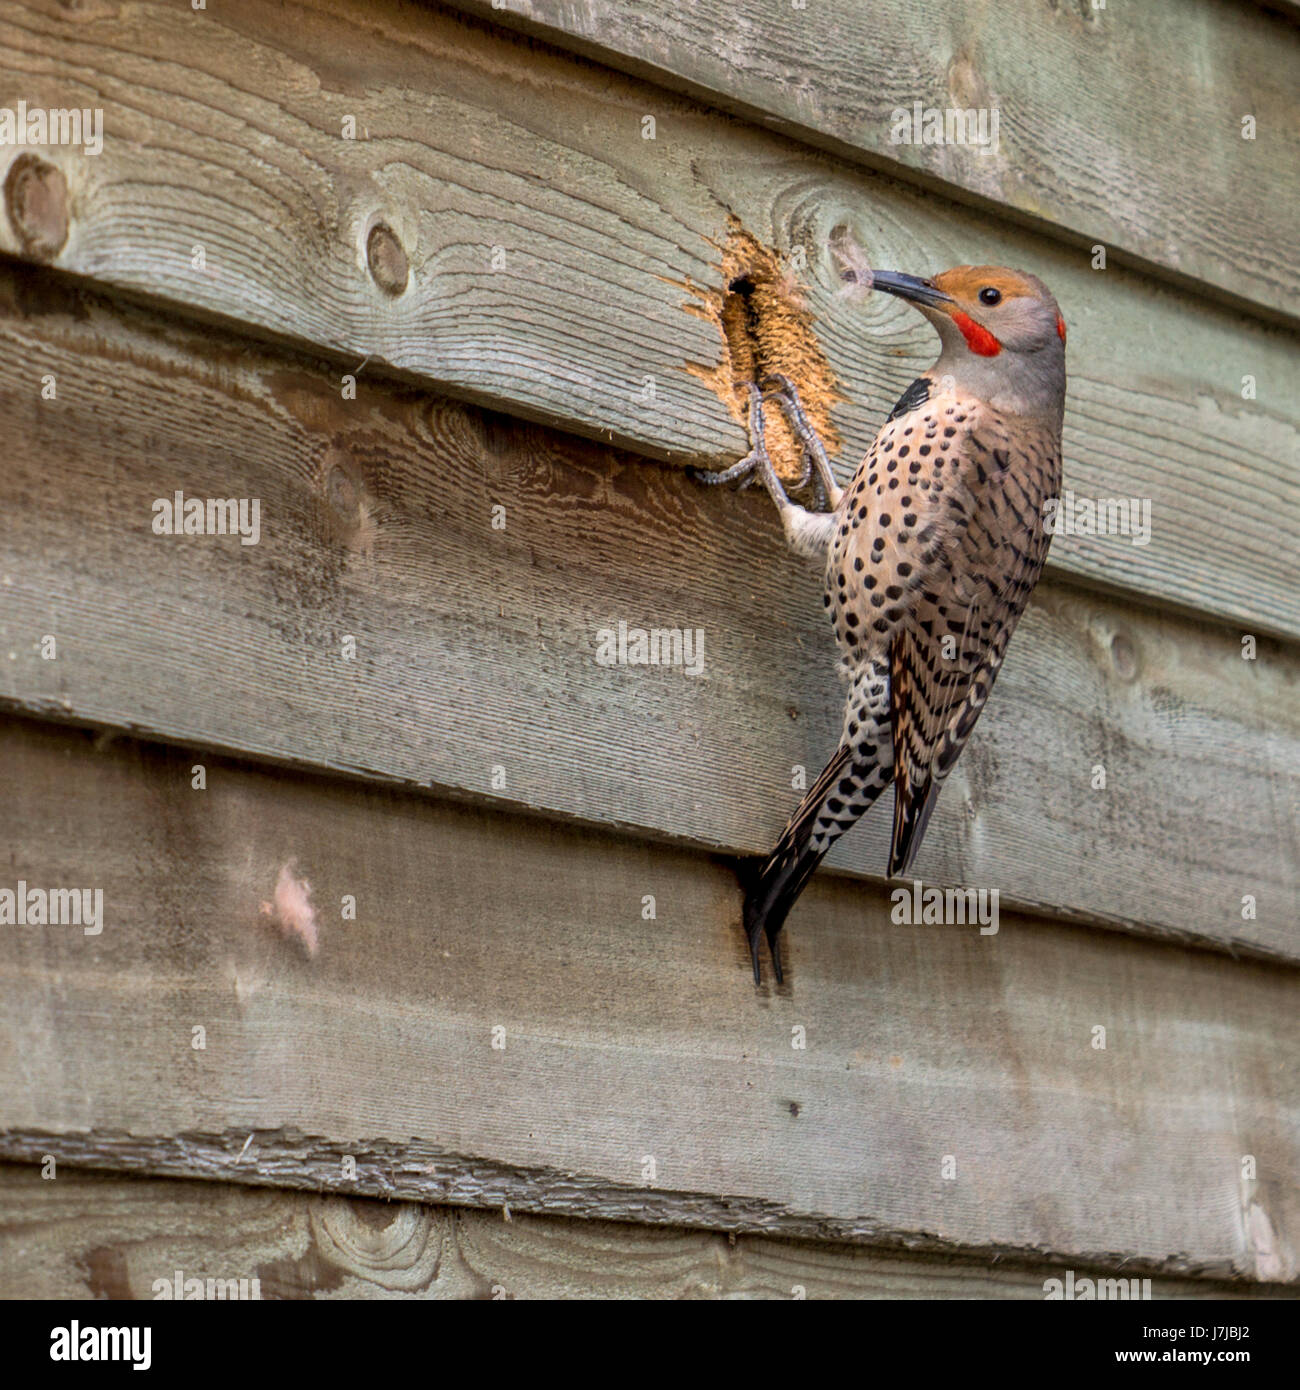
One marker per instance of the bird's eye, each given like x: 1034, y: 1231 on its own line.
x: 988, y: 295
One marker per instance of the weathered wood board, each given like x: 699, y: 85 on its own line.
x: 1120, y: 124
x: 94, y: 1235
x: 638, y: 1074
x: 547, y: 244
x: 477, y: 648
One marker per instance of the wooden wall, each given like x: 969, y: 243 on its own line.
x: 500, y: 259
x: 91, y: 1235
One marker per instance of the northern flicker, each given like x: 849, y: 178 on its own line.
x: 931, y: 554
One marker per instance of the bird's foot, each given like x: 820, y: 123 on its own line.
x: 756, y: 464
x: 816, y: 463
x: 808, y: 531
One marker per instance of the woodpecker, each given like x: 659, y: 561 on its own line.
x: 931, y: 554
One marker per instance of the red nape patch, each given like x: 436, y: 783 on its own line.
x: 1060, y: 327
x: 978, y: 339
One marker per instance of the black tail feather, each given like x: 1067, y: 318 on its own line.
x: 911, y: 816
x: 768, y: 901
x: 772, y: 889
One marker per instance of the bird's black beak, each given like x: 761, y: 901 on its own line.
x: 911, y: 287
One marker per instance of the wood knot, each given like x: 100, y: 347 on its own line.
x: 36, y: 200
x: 345, y: 511
x: 389, y: 267
x: 1123, y: 657
x: 341, y: 492
x: 966, y: 86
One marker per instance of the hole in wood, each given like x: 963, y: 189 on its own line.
x: 765, y: 327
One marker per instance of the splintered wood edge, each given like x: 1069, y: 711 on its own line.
x: 764, y: 326
x: 423, y: 1172
x: 104, y: 1235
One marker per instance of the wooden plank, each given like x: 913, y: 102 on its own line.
x: 639, y: 1074
x: 1114, y: 125
x: 94, y: 1235
x: 477, y: 150
x: 477, y: 648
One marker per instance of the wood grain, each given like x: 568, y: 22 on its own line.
x: 95, y: 1235
x: 479, y: 150
x: 477, y: 648
x: 639, y: 1075
x: 1117, y: 125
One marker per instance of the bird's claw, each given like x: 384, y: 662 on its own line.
x: 757, y: 463
x: 816, y: 463
x: 743, y: 472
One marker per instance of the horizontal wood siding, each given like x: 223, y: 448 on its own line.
x: 640, y: 1075
x: 535, y: 1063
x: 224, y: 132
x: 477, y: 648
x: 95, y: 1235
x: 1117, y: 124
